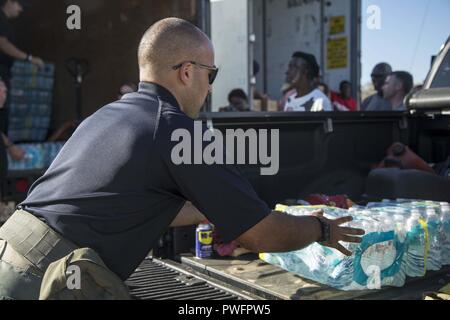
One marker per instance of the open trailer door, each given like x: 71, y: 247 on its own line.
x: 230, y: 29
x: 268, y: 32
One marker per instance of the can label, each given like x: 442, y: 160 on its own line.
x: 203, y: 241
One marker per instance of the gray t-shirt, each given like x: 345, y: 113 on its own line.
x: 376, y: 103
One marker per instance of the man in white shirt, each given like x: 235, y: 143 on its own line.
x: 302, y: 71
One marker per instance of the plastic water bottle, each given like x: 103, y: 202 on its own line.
x: 401, y: 247
x: 416, y: 246
x: 377, y: 260
x: 434, y: 232
x: 445, y: 233
x: 392, y: 253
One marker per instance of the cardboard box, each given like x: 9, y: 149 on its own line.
x: 257, y: 105
x: 272, y: 106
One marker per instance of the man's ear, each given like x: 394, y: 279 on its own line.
x: 185, y: 73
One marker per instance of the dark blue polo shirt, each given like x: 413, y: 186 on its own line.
x: 115, y: 189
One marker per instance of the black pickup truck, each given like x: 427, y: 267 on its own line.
x: 333, y: 153
x: 328, y: 153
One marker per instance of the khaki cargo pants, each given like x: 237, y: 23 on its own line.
x: 34, y: 260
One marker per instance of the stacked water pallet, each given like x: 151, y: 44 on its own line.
x: 30, y: 102
x: 38, y: 156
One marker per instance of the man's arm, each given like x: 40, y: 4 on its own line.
x: 189, y: 215
x: 280, y: 232
x: 5, y: 139
x: 14, y: 151
x: 11, y: 50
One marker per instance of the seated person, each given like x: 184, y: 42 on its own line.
x: 237, y: 100
x: 343, y: 101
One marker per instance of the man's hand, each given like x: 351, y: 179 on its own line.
x: 16, y: 153
x: 38, y: 62
x: 338, y: 233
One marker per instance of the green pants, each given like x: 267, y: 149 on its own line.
x: 27, y: 247
x: 17, y: 282
x: 35, y: 260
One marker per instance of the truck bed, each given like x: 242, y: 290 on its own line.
x: 271, y: 282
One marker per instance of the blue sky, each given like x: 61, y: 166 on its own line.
x: 402, y: 41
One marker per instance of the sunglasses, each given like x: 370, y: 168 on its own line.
x: 213, y: 70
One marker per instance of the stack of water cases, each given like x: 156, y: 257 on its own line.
x: 38, y: 156
x: 30, y: 102
x: 404, y: 238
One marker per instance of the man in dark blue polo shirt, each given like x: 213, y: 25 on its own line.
x: 115, y: 189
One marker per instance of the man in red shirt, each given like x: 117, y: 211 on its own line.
x: 344, y: 101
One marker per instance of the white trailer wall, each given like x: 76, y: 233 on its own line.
x: 229, y: 34
x: 338, y: 9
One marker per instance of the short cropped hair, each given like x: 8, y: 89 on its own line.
x: 406, y: 79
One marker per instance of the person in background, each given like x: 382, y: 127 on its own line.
x: 10, y: 9
x: 126, y: 88
x: 237, y: 100
x: 302, y: 73
x: 343, y: 101
x: 6, y: 146
x: 398, y: 84
x: 376, y: 102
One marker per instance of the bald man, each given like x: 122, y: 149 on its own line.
x: 377, y: 102
x: 115, y: 189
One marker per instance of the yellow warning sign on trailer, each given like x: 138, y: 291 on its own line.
x: 337, y: 25
x: 337, y: 53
